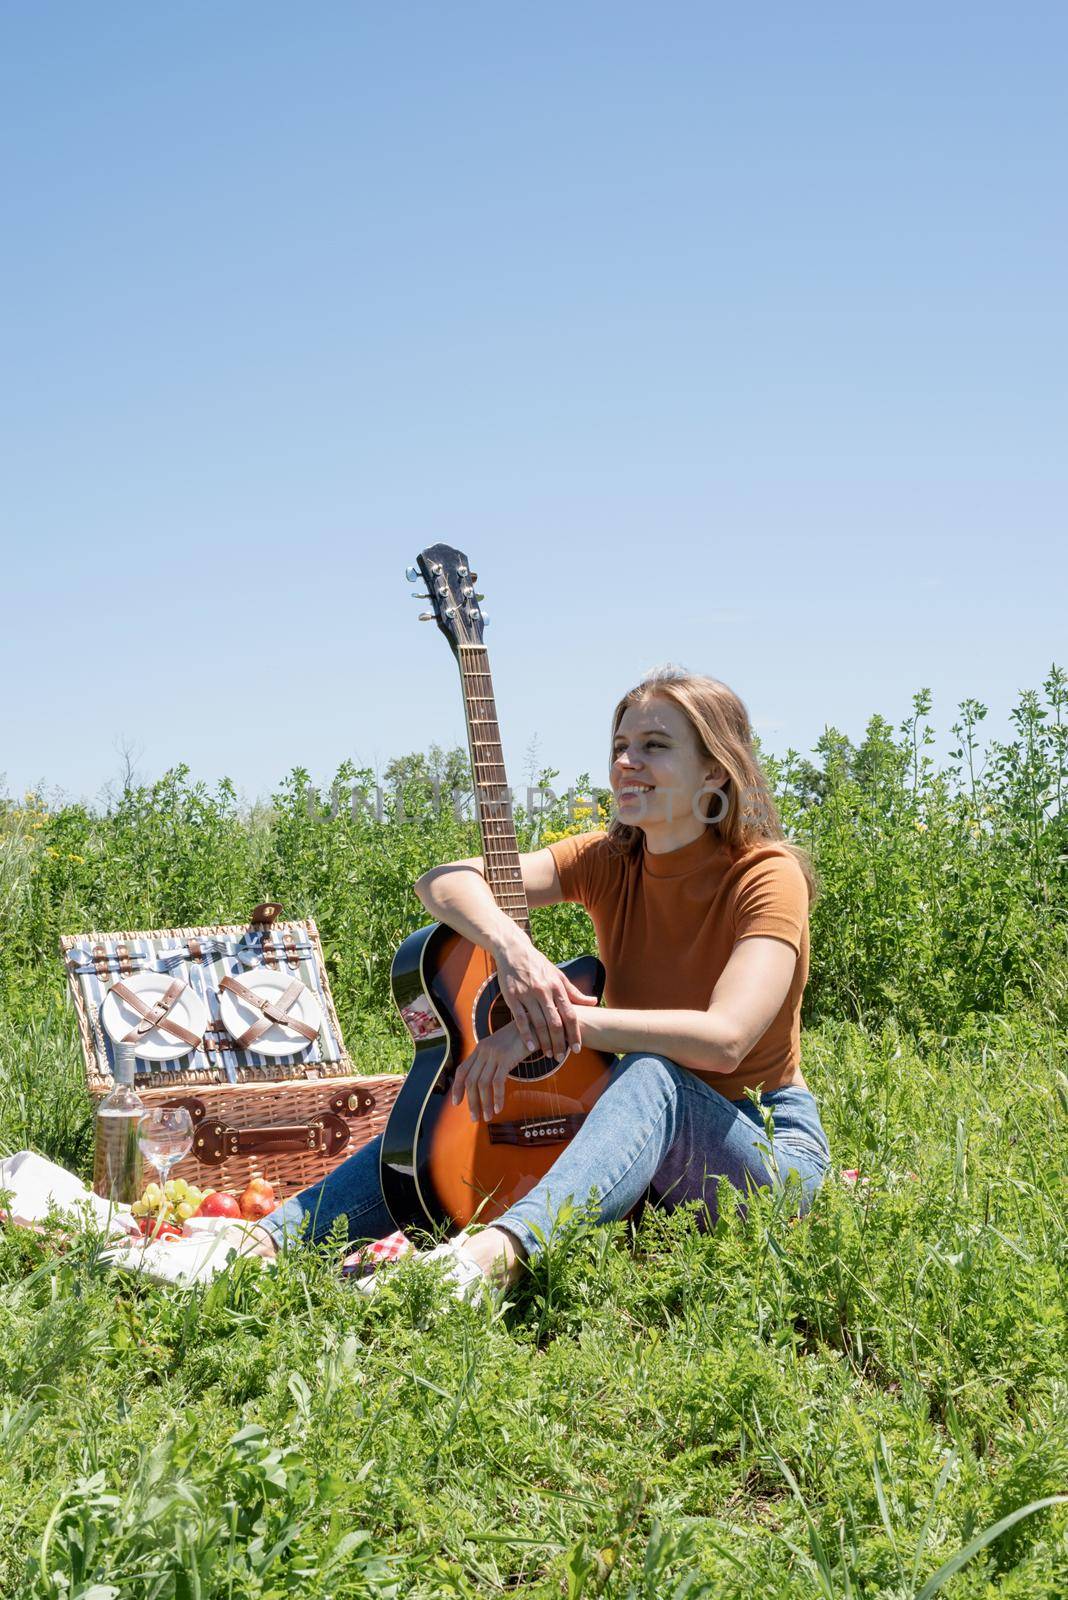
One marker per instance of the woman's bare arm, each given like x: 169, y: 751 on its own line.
x: 698, y: 1040
x: 745, y: 1002
x: 750, y: 993
x: 458, y: 894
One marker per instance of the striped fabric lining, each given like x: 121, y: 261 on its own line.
x: 203, y: 977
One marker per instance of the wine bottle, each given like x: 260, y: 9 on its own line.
x: 117, y: 1156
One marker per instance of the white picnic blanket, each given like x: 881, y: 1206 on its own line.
x: 194, y: 1258
x: 35, y: 1185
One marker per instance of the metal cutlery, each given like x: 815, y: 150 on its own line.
x: 250, y: 951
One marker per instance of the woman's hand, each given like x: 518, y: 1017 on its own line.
x: 484, y: 1072
x: 541, y: 999
x: 258, y: 1242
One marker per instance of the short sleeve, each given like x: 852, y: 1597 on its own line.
x: 585, y: 865
x: 772, y: 900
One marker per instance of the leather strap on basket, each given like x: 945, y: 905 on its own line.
x: 272, y: 1011
x: 266, y: 914
x: 155, y: 1016
x: 216, y: 1142
x: 353, y: 1103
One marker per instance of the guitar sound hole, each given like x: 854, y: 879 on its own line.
x: 535, y: 1067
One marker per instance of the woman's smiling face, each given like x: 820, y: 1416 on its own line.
x: 657, y: 767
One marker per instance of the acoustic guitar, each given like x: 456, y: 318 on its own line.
x: 438, y: 1167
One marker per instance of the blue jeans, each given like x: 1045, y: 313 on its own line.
x: 657, y: 1129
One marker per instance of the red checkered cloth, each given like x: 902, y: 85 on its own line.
x: 854, y: 1177
x: 370, y: 1256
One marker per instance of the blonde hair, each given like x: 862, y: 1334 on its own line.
x: 721, y: 727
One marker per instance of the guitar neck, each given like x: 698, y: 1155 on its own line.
x: 493, y: 798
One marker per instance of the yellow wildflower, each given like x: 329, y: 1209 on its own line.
x: 551, y: 835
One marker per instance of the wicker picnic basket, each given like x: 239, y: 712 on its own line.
x: 290, y: 1120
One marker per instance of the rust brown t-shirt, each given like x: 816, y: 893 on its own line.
x: 666, y: 925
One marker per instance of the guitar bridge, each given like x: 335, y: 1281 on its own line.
x: 537, y: 1130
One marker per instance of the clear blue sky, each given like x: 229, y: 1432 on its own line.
x: 732, y: 336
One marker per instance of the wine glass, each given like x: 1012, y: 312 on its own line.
x: 165, y: 1134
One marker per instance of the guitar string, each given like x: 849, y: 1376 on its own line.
x: 483, y: 761
x: 498, y: 856
x: 500, y: 833
x: 467, y: 673
x: 500, y: 846
x: 514, y: 890
x: 481, y: 709
x: 508, y: 859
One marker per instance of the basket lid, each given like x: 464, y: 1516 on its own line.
x: 203, y: 956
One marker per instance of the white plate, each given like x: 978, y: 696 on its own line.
x: 119, y: 1017
x: 238, y: 1016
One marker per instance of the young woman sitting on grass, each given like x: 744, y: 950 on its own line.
x: 701, y: 912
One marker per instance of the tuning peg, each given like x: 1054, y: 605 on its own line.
x: 412, y: 574
x: 480, y: 597
x: 473, y: 576
x: 485, y: 620
x: 426, y: 616
x: 418, y: 596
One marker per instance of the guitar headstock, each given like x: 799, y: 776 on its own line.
x: 450, y: 587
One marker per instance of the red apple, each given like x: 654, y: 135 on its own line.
x: 218, y: 1204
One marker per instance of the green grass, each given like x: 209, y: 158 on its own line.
x: 871, y: 1402
x: 828, y: 1407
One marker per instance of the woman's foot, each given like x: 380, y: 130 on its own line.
x: 258, y: 1242
x: 473, y: 1265
x: 498, y: 1253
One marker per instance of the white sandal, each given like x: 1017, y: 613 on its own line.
x: 464, y: 1277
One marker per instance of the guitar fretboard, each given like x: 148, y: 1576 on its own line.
x: 500, y: 852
